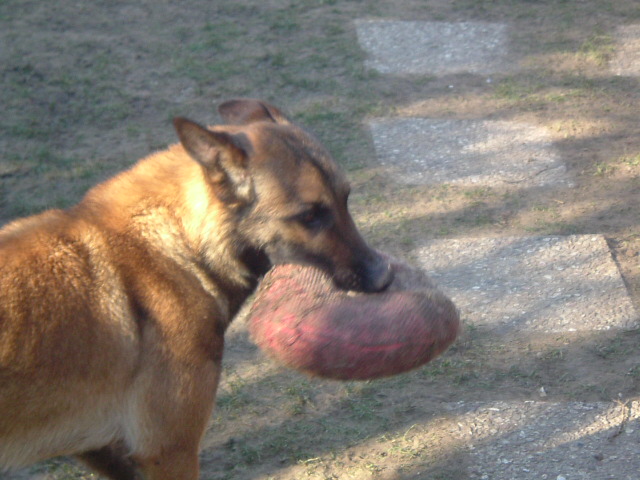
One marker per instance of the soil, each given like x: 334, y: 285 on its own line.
x: 89, y: 87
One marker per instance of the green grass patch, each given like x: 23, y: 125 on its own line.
x: 598, y: 48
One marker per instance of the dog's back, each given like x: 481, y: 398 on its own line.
x: 69, y: 342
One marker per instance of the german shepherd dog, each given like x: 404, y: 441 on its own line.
x: 113, y: 313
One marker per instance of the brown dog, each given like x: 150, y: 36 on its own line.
x: 112, y: 313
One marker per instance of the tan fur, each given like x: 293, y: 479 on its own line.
x: 112, y: 313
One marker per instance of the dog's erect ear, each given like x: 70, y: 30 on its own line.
x: 248, y: 110
x: 224, y: 158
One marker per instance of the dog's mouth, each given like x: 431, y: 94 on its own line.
x: 371, y: 275
x: 256, y: 260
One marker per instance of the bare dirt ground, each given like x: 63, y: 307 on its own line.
x: 89, y: 87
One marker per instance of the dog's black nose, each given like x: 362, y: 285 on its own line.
x: 378, y: 275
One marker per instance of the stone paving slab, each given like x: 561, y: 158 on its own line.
x: 424, y: 151
x: 397, y: 47
x: 627, y: 59
x: 531, y: 284
x: 545, y: 440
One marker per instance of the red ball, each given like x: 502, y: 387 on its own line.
x: 299, y: 317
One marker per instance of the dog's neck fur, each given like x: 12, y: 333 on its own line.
x: 178, y: 212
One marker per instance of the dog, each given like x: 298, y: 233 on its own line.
x: 113, y: 312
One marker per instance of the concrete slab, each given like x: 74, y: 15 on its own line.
x: 532, y: 284
x: 627, y: 59
x: 433, y: 48
x: 540, y: 440
x: 467, y: 152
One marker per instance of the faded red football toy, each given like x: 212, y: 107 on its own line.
x: 304, y: 321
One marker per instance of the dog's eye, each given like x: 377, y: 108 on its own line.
x: 315, y: 218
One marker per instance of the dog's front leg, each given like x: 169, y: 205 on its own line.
x: 174, y: 448
x: 175, y: 464
x: 174, y: 418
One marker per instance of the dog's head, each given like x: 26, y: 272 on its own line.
x: 287, y: 195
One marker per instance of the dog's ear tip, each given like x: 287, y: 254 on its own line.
x: 229, y: 108
x: 232, y: 108
x: 180, y: 124
x: 191, y: 132
x: 233, y: 103
x: 249, y: 110
x: 227, y: 104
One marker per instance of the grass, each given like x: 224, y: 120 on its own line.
x: 515, y: 90
x: 42, y: 103
x: 85, y: 102
x: 301, y: 397
x: 599, y: 48
x: 63, y: 470
x: 604, y: 169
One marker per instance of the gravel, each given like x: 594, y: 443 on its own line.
x: 547, y: 440
x: 627, y: 58
x: 467, y: 152
x: 532, y: 284
x: 396, y: 47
